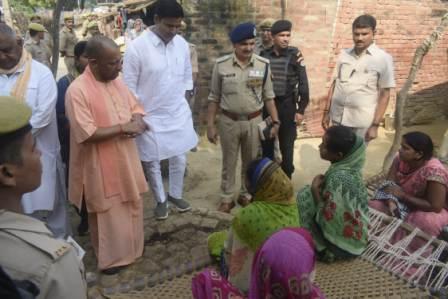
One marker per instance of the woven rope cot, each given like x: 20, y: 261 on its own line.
x: 381, y: 272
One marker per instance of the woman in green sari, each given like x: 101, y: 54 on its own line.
x: 334, y: 208
x: 273, y: 207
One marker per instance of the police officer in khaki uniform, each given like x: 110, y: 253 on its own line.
x: 85, y: 25
x: 264, y: 40
x: 241, y: 85
x: 67, y: 42
x: 36, y: 46
x: 29, y: 250
x: 92, y: 30
x: 48, y: 39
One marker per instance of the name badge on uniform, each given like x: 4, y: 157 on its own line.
x: 255, y: 78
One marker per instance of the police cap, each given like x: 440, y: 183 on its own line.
x: 280, y: 26
x: 242, y: 32
x: 266, y: 23
x: 36, y: 27
x: 14, y: 117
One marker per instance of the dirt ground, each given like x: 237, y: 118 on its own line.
x: 204, y: 166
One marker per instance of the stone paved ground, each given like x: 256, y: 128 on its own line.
x: 173, y: 247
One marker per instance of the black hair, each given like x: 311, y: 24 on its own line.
x: 80, y: 48
x: 11, y: 146
x: 168, y: 9
x: 33, y: 33
x: 364, y: 21
x: 340, y: 139
x: 420, y: 142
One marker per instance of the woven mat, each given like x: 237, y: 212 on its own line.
x: 353, y: 279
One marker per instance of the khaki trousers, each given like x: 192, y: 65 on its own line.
x: 236, y: 135
x: 70, y: 64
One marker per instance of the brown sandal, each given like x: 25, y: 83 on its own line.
x: 226, y: 207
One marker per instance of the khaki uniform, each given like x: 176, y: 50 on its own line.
x: 30, y: 252
x: 39, y: 51
x: 67, y: 44
x: 240, y: 93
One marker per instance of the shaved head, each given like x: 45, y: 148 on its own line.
x: 104, y: 58
x: 98, y: 44
x: 5, y: 30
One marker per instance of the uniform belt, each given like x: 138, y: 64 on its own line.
x: 239, y: 117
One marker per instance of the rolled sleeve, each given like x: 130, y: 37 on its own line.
x: 215, y: 87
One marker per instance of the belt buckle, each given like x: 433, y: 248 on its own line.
x: 242, y: 117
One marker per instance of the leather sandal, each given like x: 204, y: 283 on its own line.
x: 226, y: 207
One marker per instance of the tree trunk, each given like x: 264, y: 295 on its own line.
x: 55, y: 34
x: 403, y: 94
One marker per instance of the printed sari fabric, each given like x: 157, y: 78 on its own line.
x: 283, y: 267
x: 272, y: 209
x: 415, y: 183
x: 339, y: 222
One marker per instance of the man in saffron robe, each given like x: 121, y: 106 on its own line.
x: 104, y: 118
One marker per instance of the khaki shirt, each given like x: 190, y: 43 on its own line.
x: 358, y: 81
x: 238, y: 88
x: 30, y: 252
x: 67, y: 42
x: 39, y: 51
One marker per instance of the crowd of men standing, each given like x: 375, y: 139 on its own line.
x: 116, y: 131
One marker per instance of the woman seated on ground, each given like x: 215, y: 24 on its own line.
x: 273, y: 208
x: 416, y: 186
x: 334, y: 208
x: 283, y: 267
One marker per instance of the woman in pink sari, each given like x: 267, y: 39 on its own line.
x: 283, y: 267
x: 420, y: 183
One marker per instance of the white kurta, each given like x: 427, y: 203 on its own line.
x: 41, y: 97
x: 159, y: 75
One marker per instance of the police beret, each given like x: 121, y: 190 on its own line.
x: 266, y: 23
x: 93, y: 24
x: 68, y: 17
x: 37, y: 27
x: 14, y: 115
x: 242, y: 32
x: 280, y: 26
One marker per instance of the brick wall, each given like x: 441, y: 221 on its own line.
x: 321, y: 29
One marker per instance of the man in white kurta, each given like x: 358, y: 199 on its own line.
x: 34, y: 83
x: 157, y: 69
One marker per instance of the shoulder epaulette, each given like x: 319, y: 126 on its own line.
x: 223, y: 58
x: 262, y: 59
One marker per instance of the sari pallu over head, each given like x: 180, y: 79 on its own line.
x: 283, y: 267
x: 272, y: 209
x: 342, y: 214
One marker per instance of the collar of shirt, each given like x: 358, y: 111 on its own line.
x: 371, y: 50
x: 237, y: 62
x: 156, y: 40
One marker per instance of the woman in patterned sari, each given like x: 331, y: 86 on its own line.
x: 334, y: 208
x: 283, y: 267
x: 272, y: 208
x: 420, y: 182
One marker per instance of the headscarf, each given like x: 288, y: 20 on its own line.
x: 342, y: 214
x: 273, y: 206
x: 283, y: 267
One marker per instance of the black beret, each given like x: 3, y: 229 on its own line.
x: 280, y: 26
x: 242, y: 32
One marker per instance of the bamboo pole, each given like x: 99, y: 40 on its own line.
x: 403, y: 95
